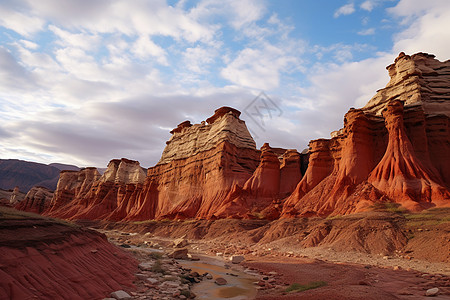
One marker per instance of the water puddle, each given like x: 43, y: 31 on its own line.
x: 239, y: 284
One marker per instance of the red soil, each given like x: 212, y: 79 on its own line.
x: 347, y: 281
x: 43, y: 259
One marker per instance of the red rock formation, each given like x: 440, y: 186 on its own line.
x: 371, y: 161
x: 384, y: 153
x: 44, y: 259
x: 16, y: 196
x: 37, y: 200
x: 87, y: 195
x: 200, y: 168
x: 400, y: 174
x: 206, y: 171
x: 197, y: 170
x: 260, y: 195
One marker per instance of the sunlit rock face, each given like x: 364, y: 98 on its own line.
x: 395, y: 149
x: 86, y: 194
x: 37, y: 200
x: 188, y: 140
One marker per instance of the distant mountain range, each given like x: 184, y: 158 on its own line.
x: 26, y: 174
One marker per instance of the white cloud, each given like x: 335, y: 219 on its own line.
x: 29, y: 44
x: 368, y: 5
x: 198, y: 59
x: 84, y: 41
x: 261, y: 67
x: 344, y: 10
x: 19, y: 22
x: 144, y: 48
x: 141, y: 18
x: 238, y: 13
x: 368, y: 31
x: 427, y: 31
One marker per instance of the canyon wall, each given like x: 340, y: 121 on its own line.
x: 394, y: 150
x: 37, y: 200
x: 208, y: 170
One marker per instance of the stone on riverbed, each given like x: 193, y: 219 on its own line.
x: 178, y: 253
x: 220, y: 281
x: 120, y: 295
x: 236, y: 259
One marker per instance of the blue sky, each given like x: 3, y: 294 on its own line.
x: 85, y: 81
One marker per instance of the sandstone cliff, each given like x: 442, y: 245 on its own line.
x: 207, y: 170
x: 37, y: 200
x: 395, y: 149
x: 88, y: 195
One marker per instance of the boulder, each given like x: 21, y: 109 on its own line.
x: 120, y: 295
x: 220, y: 281
x: 180, y: 243
x: 432, y: 292
x: 237, y: 259
x: 180, y: 253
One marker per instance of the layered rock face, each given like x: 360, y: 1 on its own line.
x: 88, y: 195
x: 395, y: 149
x: 37, y: 200
x: 46, y: 259
x: 207, y: 170
x: 212, y: 170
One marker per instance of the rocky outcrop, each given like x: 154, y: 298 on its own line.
x: 88, y: 195
x: 16, y: 196
x: 47, y: 259
x: 395, y: 149
x: 200, y: 169
x: 37, y: 200
x: 11, y: 197
x: 399, y: 156
x: 417, y: 80
x: 188, y: 140
x: 207, y: 170
x: 274, y: 178
x: 401, y: 175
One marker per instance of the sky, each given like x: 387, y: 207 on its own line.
x: 86, y: 81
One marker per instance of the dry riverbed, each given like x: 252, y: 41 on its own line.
x: 273, y: 273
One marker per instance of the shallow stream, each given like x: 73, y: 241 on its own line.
x: 240, y: 285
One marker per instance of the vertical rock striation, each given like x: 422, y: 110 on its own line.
x: 394, y: 149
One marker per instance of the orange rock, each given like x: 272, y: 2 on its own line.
x: 384, y: 153
x: 400, y: 174
x: 37, y: 200
x: 373, y: 160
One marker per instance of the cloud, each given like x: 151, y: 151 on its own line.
x: 197, y: 59
x: 368, y: 5
x: 101, y: 16
x: 260, y: 68
x: 84, y: 41
x: 19, y: 22
x: 29, y: 44
x: 345, y: 10
x: 368, y: 31
x: 144, y: 48
x: 427, y: 27
x: 238, y: 13
x: 13, y: 75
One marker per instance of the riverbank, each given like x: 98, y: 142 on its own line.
x: 338, y: 275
